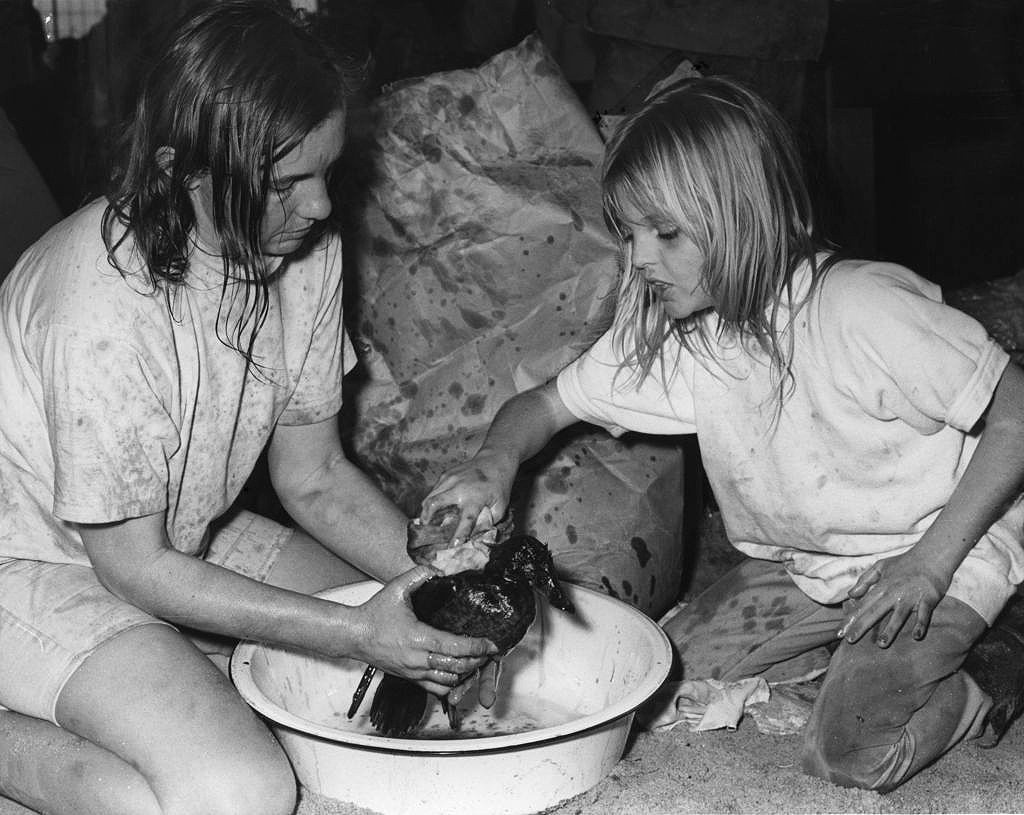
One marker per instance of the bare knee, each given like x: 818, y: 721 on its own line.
x: 194, y: 745
x: 260, y: 782
x: 50, y: 769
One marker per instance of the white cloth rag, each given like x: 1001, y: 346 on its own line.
x: 702, y: 704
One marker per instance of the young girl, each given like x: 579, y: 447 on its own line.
x: 864, y: 441
x: 151, y: 345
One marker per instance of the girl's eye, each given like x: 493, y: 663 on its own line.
x: 668, y: 234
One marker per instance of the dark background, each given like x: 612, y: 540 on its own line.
x: 909, y: 112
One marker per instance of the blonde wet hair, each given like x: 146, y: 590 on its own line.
x: 709, y: 157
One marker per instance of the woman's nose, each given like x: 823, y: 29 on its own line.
x: 316, y: 205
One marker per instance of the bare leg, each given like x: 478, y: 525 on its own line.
x: 150, y: 727
x: 307, y: 566
x: 41, y: 766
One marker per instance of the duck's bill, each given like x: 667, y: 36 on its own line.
x: 557, y: 596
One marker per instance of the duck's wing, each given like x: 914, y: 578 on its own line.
x: 500, y: 611
x: 430, y: 598
x: 398, y: 707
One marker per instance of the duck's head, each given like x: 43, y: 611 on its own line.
x: 523, y: 557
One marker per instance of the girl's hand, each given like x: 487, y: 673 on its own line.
x: 480, y: 488
x: 392, y: 639
x: 899, y: 587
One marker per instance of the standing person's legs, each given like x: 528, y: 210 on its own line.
x: 884, y: 713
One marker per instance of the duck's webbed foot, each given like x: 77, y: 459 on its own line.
x: 487, y: 683
x: 486, y: 679
x: 452, y: 712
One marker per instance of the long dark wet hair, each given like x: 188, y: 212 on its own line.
x: 239, y: 85
x: 711, y: 158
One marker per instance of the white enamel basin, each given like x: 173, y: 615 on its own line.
x: 566, y: 698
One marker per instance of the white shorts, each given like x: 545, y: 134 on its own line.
x: 53, y: 615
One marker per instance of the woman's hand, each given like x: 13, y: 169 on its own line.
x: 392, y: 639
x: 480, y: 488
x: 898, y: 587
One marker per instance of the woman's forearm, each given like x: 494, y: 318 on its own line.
x: 133, y: 561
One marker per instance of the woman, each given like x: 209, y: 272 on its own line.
x: 154, y: 343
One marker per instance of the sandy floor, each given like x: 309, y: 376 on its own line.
x: 747, y: 772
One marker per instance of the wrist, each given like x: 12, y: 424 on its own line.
x: 941, y: 554
x: 343, y: 632
x: 500, y: 460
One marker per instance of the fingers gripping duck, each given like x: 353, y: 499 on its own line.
x: 487, y: 591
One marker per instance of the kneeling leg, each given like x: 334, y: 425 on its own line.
x: 148, y: 726
x: 885, y: 713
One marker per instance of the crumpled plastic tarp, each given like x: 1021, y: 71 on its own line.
x: 481, y: 266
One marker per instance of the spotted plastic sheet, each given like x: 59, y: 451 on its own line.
x: 482, y: 267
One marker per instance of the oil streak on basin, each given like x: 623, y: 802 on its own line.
x: 566, y: 698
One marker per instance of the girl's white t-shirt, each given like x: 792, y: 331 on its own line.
x: 888, y: 385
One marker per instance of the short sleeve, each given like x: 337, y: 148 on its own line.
x: 595, y: 388
x: 110, y: 431
x: 327, y: 351
x: 904, y: 353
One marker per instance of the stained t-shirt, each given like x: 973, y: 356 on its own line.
x: 888, y: 385
x: 121, y: 401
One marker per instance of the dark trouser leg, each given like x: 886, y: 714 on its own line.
x: 885, y: 713
x: 752, y: 621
